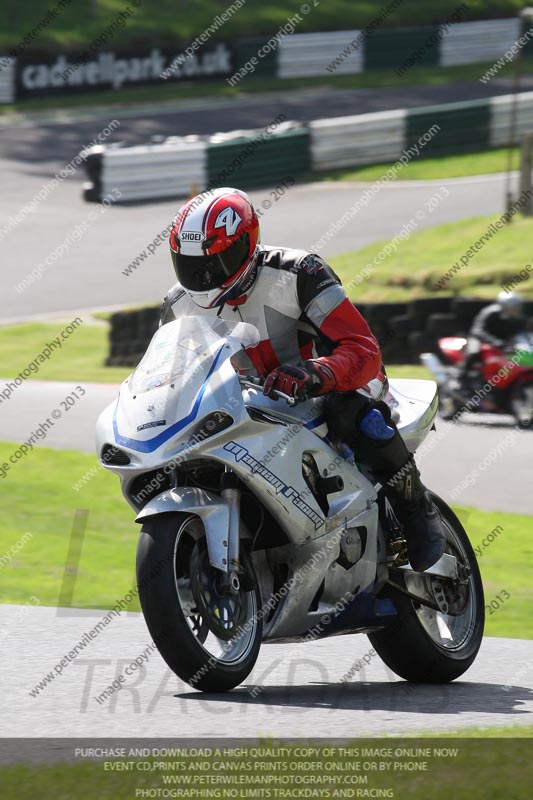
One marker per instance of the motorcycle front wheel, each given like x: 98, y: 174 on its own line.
x: 208, y: 635
x: 425, y: 645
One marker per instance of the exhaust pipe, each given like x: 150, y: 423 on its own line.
x: 432, y: 362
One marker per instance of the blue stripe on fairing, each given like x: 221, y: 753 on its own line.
x: 150, y: 445
x: 315, y: 423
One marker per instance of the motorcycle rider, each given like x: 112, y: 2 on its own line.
x: 495, y: 324
x: 313, y: 341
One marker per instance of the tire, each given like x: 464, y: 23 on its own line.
x: 521, y: 404
x: 409, y: 645
x: 448, y: 406
x: 169, y: 545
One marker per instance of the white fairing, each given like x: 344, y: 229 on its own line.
x: 187, y: 375
x: 414, y: 406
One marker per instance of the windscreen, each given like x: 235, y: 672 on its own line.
x: 186, y: 347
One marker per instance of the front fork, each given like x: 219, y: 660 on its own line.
x: 230, y: 491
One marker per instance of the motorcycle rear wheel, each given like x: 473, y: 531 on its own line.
x: 428, y: 646
x: 209, y: 638
x: 521, y: 402
x: 448, y: 405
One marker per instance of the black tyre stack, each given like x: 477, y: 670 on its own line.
x: 404, y: 330
x: 130, y: 335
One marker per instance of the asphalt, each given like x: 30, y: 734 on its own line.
x: 90, y: 271
x: 299, y: 690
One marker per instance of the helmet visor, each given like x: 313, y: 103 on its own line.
x: 203, y: 273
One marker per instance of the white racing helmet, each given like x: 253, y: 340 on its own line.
x: 510, y: 304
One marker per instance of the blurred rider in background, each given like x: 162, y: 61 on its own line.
x: 496, y: 325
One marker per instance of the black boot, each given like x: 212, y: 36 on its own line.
x: 421, y: 520
x: 382, y: 448
x: 395, y: 468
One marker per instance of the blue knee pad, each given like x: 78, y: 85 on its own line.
x: 373, y: 426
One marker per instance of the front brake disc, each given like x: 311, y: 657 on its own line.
x: 223, y: 614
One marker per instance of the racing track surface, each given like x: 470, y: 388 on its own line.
x: 302, y: 696
x: 91, y: 275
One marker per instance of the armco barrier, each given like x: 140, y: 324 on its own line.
x: 463, y: 127
x: 154, y: 171
x: 251, y: 158
x: 404, y: 330
x: 476, y: 42
x: 246, y: 58
x: 362, y: 139
x: 390, y: 48
x: 308, y: 54
x: 501, y: 109
x: 7, y: 79
x: 179, y: 166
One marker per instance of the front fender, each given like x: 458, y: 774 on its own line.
x: 212, y: 510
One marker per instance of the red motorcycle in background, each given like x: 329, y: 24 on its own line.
x: 503, y: 383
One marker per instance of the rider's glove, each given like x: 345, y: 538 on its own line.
x: 307, y: 379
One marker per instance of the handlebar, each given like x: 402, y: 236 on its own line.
x: 256, y: 383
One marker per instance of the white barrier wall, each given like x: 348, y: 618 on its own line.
x: 362, y: 139
x: 476, y: 42
x: 500, y: 127
x: 306, y: 54
x: 152, y: 171
x: 7, y: 79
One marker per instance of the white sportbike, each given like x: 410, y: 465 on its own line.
x: 256, y: 527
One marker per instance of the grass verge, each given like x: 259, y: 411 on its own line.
x: 467, y: 769
x: 106, y: 567
x: 163, y: 21
x: 422, y: 259
x: 82, y: 356
x: 457, y: 166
